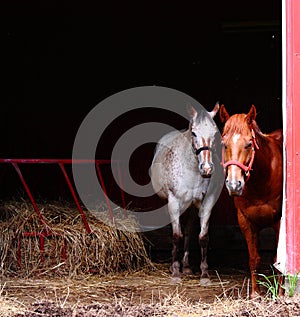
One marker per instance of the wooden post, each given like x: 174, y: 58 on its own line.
x: 291, y: 114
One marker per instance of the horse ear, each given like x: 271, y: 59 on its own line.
x: 224, y: 115
x: 251, y: 114
x: 192, y: 112
x: 215, y: 110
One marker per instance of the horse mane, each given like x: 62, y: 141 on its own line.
x: 237, y: 124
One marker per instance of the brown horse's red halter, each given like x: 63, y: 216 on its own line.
x: 245, y: 168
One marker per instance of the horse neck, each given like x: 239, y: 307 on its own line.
x: 185, y: 140
x: 262, y: 161
x: 186, y: 147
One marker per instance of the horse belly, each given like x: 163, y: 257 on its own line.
x: 166, y: 179
x: 173, y: 174
x: 166, y: 184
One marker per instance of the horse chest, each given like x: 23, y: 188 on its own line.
x: 259, y: 213
x: 192, y: 191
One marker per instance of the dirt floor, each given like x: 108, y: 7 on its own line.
x: 142, y: 293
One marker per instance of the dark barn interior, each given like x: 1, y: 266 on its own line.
x: 64, y: 57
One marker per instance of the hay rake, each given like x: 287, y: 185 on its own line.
x: 45, y: 232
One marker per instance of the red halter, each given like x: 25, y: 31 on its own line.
x: 245, y: 168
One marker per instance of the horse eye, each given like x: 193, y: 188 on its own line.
x: 194, y: 134
x: 249, y: 145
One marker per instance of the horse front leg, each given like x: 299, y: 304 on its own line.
x: 205, y: 205
x: 251, y: 237
x: 189, y: 223
x: 186, y: 269
x: 203, y: 238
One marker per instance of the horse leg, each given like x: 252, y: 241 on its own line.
x: 205, y: 207
x: 203, y: 243
x: 189, y: 221
x: 251, y: 237
x: 174, y: 211
x: 185, y: 261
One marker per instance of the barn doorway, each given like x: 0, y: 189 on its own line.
x: 228, y: 52
x: 237, y: 60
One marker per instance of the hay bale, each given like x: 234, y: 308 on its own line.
x: 106, y: 250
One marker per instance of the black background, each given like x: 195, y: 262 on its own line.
x: 63, y: 57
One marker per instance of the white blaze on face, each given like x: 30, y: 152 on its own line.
x: 236, y: 137
x: 234, y: 169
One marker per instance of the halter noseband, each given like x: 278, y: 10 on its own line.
x: 202, y: 148
x: 245, y: 168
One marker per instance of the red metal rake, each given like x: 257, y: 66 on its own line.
x: 61, y: 163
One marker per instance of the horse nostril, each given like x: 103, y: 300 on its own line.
x: 202, y: 166
x: 234, y: 186
x: 206, y: 168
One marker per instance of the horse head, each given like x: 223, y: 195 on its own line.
x: 239, y: 146
x: 202, y: 132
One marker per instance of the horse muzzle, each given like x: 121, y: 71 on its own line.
x: 234, y: 187
x: 206, y: 169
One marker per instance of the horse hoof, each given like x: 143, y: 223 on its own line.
x: 187, y: 271
x: 175, y: 269
x: 204, y: 281
x: 176, y: 274
x: 175, y: 280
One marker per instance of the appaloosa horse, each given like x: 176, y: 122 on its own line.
x: 253, y: 164
x: 180, y: 172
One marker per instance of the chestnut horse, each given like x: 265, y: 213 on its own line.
x: 253, y: 164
